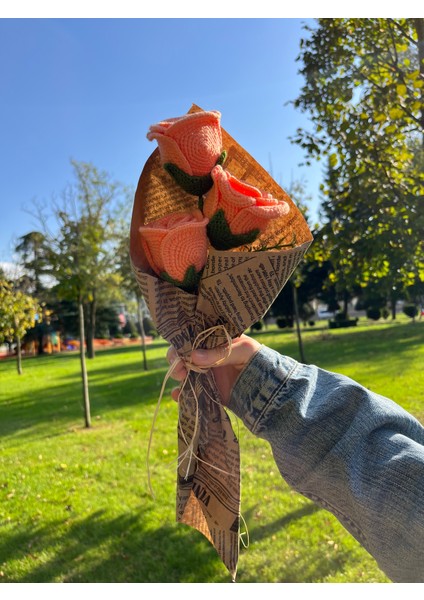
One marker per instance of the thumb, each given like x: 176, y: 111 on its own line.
x: 211, y: 357
x: 241, y: 351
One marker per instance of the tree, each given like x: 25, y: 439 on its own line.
x: 80, y: 254
x: 31, y: 248
x: 18, y: 312
x: 369, y: 237
x: 364, y: 92
x: 287, y: 303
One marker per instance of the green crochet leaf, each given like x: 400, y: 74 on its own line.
x: 196, y: 186
x: 190, y: 282
x: 221, y: 158
x: 220, y: 236
x: 193, y: 184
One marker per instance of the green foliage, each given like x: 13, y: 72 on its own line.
x: 410, y: 310
x: 107, y: 321
x: 340, y: 322
x: 258, y: 326
x: 31, y: 248
x: 130, y: 329
x: 81, y: 257
x: 283, y: 322
x: 363, y: 89
x: 373, y: 313
x: 364, y: 92
x: 17, y: 313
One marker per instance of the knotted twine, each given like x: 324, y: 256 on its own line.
x: 198, y: 342
x: 190, y: 367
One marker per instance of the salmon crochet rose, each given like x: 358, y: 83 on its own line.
x: 176, y: 247
x: 190, y: 146
x: 238, y: 212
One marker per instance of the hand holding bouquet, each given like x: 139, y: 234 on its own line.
x: 213, y: 241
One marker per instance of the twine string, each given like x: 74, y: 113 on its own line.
x: 189, y: 451
x: 190, y: 367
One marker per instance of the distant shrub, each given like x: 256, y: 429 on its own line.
x: 373, y: 313
x: 410, y: 310
x: 339, y: 323
x: 130, y: 329
x: 339, y: 317
x: 281, y: 322
x: 385, y: 313
x: 257, y: 326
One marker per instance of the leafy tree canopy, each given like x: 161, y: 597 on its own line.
x: 364, y: 91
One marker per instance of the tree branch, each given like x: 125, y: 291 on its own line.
x: 404, y: 33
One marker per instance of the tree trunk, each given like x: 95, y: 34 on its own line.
x: 143, y: 336
x: 345, y: 304
x: 299, y: 335
x: 393, y: 306
x: 19, y: 354
x: 91, y: 327
x: 40, y: 338
x: 84, y: 376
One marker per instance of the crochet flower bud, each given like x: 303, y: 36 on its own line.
x: 238, y: 213
x: 176, y: 247
x: 192, y: 143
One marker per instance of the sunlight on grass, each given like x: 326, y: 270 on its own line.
x: 74, y: 502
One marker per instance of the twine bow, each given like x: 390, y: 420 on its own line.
x: 198, y: 342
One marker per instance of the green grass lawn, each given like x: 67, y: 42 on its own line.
x: 74, y: 503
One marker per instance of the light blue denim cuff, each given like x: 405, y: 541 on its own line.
x: 259, y: 384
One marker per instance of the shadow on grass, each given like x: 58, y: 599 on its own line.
x: 261, y: 532
x: 320, y: 563
x: 124, y: 384
x: 125, y: 549
x: 116, y: 550
x: 373, y: 344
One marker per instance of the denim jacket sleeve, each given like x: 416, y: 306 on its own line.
x: 355, y: 453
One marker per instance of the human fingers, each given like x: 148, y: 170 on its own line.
x: 178, y: 370
x: 175, y: 393
x: 242, y: 349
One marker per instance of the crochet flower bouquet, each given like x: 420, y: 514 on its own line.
x: 213, y: 241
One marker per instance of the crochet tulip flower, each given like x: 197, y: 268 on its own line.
x: 238, y: 213
x: 190, y: 146
x: 176, y: 247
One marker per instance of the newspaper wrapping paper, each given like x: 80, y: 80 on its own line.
x: 236, y: 290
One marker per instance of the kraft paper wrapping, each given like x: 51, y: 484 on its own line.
x: 236, y: 290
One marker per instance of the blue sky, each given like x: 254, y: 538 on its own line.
x: 88, y: 89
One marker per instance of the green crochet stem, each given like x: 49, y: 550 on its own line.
x: 190, y: 282
x: 193, y: 184
x: 221, y: 237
